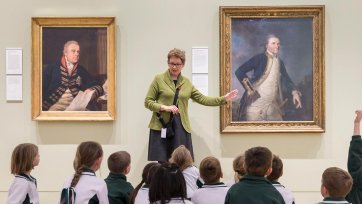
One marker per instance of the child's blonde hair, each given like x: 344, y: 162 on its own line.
x: 181, y: 156
x: 22, y: 158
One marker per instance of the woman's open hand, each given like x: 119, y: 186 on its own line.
x: 232, y: 94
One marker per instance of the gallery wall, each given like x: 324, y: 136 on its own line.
x: 145, y: 31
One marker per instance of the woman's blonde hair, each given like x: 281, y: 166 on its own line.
x: 22, y: 158
x: 175, y: 52
x: 181, y: 156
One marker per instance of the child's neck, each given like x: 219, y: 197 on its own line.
x: 123, y: 173
x: 213, y: 183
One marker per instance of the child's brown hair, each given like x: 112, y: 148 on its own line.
x: 181, y: 156
x: 277, y: 166
x: 119, y: 161
x: 22, y: 158
x: 87, y: 154
x: 338, y: 182
x: 210, y: 170
x: 238, y: 165
x: 257, y: 161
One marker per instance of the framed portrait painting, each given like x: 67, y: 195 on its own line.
x: 73, y: 68
x: 274, y: 56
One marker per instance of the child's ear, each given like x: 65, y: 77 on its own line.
x: 268, y: 172
x: 324, y: 191
x: 97, y: 163
x: 128, y: 169
x: 221, y: 175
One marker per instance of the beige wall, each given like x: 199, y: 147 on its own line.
x: 146, y: 30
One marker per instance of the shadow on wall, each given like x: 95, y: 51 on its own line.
x: 75, y: 132
x: 201, y: 140
x: 201, y: 149
x: 286, y: 145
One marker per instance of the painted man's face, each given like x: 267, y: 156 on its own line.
x: 72, y: 53
x: 273, y: 45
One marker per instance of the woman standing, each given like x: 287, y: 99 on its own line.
x: 159, y: 99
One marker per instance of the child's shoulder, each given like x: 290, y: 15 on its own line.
x: 23, y: 178
x: 191, y: 169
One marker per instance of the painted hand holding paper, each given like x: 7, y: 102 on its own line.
x: 81, y: 101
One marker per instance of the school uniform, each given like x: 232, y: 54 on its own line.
x: 210, y: 193
x: 89, y: 188
x: 287, y: 195
x: 330, y: 200
x: 142, y: 195
x: 191, y: 175
x: 23, y: 190
x: 253, y: 190
x: 119, y: 189
x: 354, y: 168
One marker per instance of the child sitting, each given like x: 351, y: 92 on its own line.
x: 168, y: 186
x: 238, y: 166
x: 84, y: 186
x: 254, y: 188
x: 277, y: 172
x: 181, y: 156
x: 23, y: 160
x: 355, y: 161
x: 213, y: 191
x: 119, y: 190
x: 140, y: 194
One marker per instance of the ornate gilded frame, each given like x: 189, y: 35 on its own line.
x: 240, y: 16
x: 107, y: 24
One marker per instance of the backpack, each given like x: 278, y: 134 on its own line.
x: 68, y: 196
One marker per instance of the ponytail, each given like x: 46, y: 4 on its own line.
x: 86, y: 155
x: 76, y: 177
x: 147, y: 174
x: 135, y: 192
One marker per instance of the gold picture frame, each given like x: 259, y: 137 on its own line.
x: 94, y: 70
x: 245, y: 62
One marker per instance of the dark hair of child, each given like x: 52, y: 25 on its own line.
x: 277, y: 166
x: 148, y: 171
x: 167, y: 183
x: 257, y: 161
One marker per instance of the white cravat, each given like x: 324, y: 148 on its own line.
x: 70, y: 66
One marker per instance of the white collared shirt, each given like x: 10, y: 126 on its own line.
x: 87, y: 187
x: 23, y: 187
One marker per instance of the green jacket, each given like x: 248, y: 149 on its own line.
x: 253, y: 190
x: 355, y: 169
x: 162, y: 92
x: 119, y: 189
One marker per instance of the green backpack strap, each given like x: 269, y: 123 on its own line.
x: 68, y: 196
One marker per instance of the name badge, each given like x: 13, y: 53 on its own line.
x: 163, y: 132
